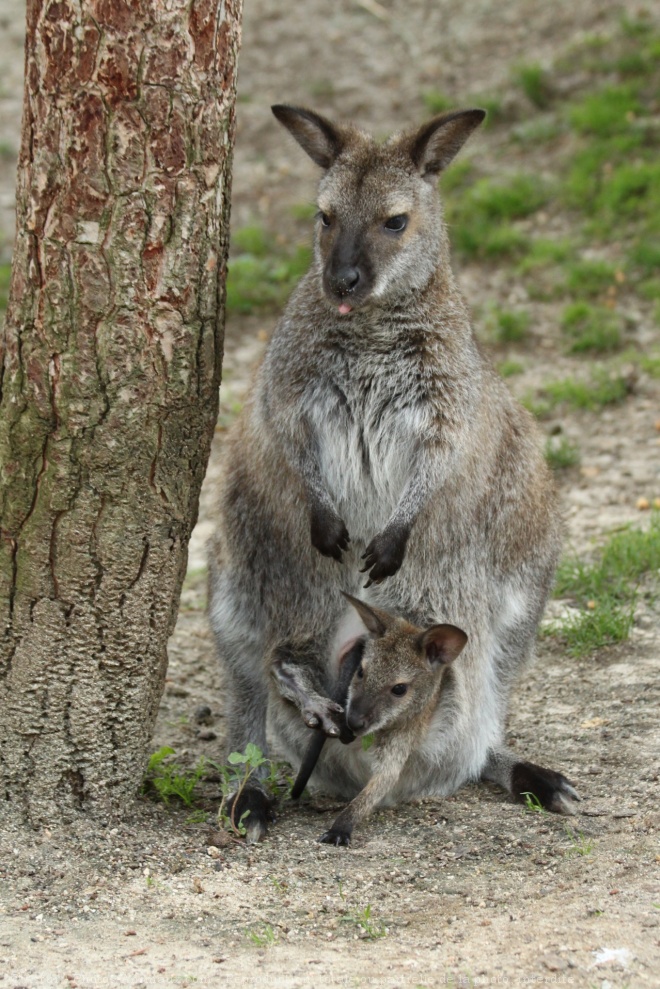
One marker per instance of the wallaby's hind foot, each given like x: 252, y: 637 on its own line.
x: 552, y: 790
x: 254, y: 808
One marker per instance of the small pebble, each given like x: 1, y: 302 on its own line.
x: 206, y: 735
x: 203, y: 715
x: 554, y: 963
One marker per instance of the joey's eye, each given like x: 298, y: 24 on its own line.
x: 360, y: 673
x: 397, y: 223
x: 400, y: 689
x: 325, y: 219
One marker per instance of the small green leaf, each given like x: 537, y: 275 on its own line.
x: 367, y: 742
x: 253, y: 754
x: 234, y: 758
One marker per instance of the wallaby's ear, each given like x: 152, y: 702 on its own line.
x: 439, y: 141
x: 317, y: 136
x: 442, y: 643
x: 375, y: 619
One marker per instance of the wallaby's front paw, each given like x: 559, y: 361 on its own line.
x: 329, y: 534
x: 324, y: 715
x: 384, y: 555
x: 552, y: 790
x: 335, y: 837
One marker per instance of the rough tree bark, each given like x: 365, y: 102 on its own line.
x: 109, y: 375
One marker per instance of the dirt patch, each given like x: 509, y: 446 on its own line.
x: 471, y: 890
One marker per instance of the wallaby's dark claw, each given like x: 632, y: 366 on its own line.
x: 333, y: 837
x: 324, y: 716
x: 552, y: 790
x: 329, y: 534
x: 384, y: 554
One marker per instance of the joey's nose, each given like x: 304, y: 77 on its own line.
x: 356, y: 722
x: 346, y: 279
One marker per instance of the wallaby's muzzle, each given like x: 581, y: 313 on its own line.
x: 346, y: 284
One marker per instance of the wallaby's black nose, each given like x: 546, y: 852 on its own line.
x: 356, y: 722
x: 346, y: 279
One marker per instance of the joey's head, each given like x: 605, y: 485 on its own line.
x: 379, y: 229
x: 401, y: 669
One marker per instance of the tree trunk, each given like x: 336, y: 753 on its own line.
x: 109, y: 376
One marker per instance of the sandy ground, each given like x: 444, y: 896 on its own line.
x: 471, y: 890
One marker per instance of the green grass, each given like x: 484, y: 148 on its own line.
x: 535, y: 84
x: 362, y: 918
x: 645, y: 256
x: 508, y: 325
x: 587, y: 279
x: 544, y: 253
x: 541, y: 130
x: 304, y: 211
x: 605, y: 590
x: 602, y: 389
x: 650, y: 365
x: 510, y: 368
x: 544, y: 261
x: 493, y: 106
x: 260, y: 275
x: 480, y: 221
x: 590, y: 329
x: 532, y: 803
x: 560, y: 453
x: 459, y: 175
x: 168, y: 780
x: 580, y: 845
x: 607, y: 112
x: 263, y: 938
x: 437, y: 102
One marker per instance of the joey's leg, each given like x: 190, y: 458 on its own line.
x: 367, y: 799
x: 553, y: 791
x: 299, y: 677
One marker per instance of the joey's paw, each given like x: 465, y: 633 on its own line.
x: 384, y: 554
x: 335, y: 837
x: 326, y: 716
x: 253, y: 810
x: 329, y: 534
x: 552, y: 790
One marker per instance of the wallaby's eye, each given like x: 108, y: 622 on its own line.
x: 360, y: 673
x: 397, y: 223
x: 325, y: 219
x: 400, y: 689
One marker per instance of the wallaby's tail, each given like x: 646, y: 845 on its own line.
x: 349, y: 665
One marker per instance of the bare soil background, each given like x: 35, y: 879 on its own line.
x: 471, y: 890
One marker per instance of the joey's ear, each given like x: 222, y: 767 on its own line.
x: 439, y: 141
x: 321, y: 139
x: 375, y: 619
x: 442, y: 643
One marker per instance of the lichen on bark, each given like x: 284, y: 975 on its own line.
x: 109, y: 375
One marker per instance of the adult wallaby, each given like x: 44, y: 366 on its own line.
x: 378, y: 439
